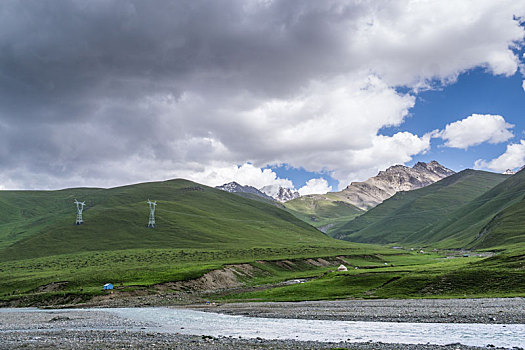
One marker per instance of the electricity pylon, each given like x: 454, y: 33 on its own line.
x: 80, y: 208
x: 152, y: 205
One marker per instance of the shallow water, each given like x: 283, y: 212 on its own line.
x: 172, y: 320
x: 198, y: 322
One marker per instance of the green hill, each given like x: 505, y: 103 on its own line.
x: 506, y: 228
x: 45, y: 259
x: 496, y: 218
x: 409, y: 216
x: 189, y: 215
x: 325, y: 212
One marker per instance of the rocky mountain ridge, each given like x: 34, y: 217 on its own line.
x: 363, y: 195
x: 271, y: 192
x: 397, y: 178
x: 234, y: 187
x: 512, y: 172
x: 367, y: 194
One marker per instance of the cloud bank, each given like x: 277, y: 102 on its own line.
x: 103, y: 93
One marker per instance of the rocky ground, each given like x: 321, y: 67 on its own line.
x: 495, y: 310
x: 148, y: 340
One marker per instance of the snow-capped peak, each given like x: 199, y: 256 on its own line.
x: 280, y: 193
x: 234, y: 187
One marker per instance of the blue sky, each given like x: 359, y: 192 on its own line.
x: 475, y: 92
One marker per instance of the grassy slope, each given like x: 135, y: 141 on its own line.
x: 495, y: 219
x: 323, y: 211
x: 37, y: 223
x: 409, y: 276
x: 198, y: 229
x: 86, y: 272
x: 403, y: 217
x: 506, y: 228
x: 240, y: 230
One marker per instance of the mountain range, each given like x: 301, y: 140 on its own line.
x: 271, y: 192
x: 234, y: 187
x: 280, y: 193
x: 363, y: 195
x: 408, y: 214
x: 45, y: 256
x: 469, y: 209
x: 330, y: 211
x: 397, y: 178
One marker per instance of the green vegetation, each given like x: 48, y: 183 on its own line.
x: 198, y: 229
x: 83, y: 274
x: 411, y: 276
x: 45, y: 258
x: 505, y: 229
x: 325, y: 212
x: 40, y: 223
x: 408, y: 216
x: 494, y: 219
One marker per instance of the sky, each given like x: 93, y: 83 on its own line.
x: 310, y: 95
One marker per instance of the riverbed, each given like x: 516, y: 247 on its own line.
x: 167, y: 327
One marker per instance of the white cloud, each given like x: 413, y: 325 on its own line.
x: 315, y: 186
x: 326, y: 118
x: 523, y: 85
x: 514, y: 157
x: 384, y: 152
x: 310, y: 84
x: 476, y: 129
x: 246, y: 175
x: 412, y: 42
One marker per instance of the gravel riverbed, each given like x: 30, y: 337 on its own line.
x: 97, y: 329
x: 493, y: 310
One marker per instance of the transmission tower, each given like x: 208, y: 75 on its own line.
x: 80, y: 208
x: 152, y: 205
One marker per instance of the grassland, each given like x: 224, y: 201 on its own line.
x: 81, y: 275
x: 188, y: 215
x: 325, y: 212
x: 381, y: 273
x: 43, y: 254
x: 408, y: 276
x: 494, y: 219
x: 45, y: 258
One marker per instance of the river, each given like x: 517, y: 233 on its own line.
x: 191, y: 322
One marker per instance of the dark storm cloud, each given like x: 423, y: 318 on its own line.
x: 71, y: 72
x: 59, y: 49
x: 105, y: 88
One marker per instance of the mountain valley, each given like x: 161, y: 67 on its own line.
x: 203, y: 233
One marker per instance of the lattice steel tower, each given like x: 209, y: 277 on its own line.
x: 80, y: 208
x: 152, y: 205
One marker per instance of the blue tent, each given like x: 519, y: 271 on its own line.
x: 108, y: 286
